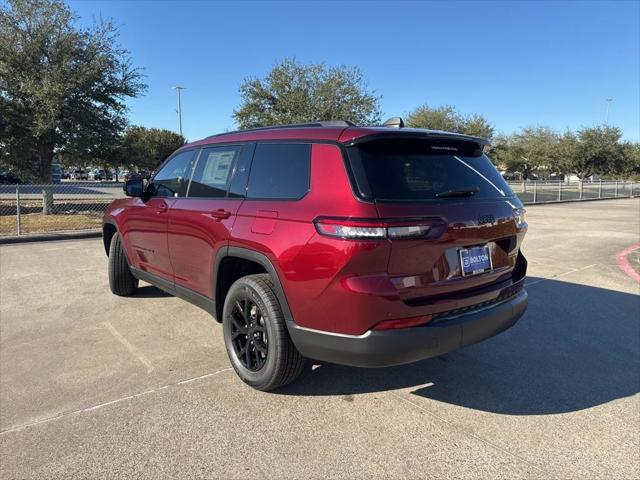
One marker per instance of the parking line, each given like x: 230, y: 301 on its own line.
x: 574, y: 270
x: 134, y: 351
x: 466, y: 431
x: 111, y: 402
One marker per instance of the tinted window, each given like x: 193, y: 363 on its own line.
x: 213, y: 172
x: 240, y: 177
x: 172, y: 179
x: 279, y: 171
x: 405, y: 170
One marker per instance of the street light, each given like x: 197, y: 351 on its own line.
x: 608, y: 100
x: 178, y: 88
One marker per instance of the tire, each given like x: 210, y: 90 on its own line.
x: 273, y: 360
x: 121, y: 281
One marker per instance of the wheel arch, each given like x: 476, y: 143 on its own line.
x: 222, y: 284
x: 109, y: 229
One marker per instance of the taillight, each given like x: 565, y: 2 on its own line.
x: 402, y: 323
x: 350, y: 230
x: 369, y: 229
x: 408, y: 231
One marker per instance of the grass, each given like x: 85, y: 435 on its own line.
x: 39, y: 223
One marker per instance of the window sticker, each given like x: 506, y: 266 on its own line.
x: 217, y: 168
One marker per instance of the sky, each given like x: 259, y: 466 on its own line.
x: 516, y: 63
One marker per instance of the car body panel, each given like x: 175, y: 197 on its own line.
x: 195, y: 235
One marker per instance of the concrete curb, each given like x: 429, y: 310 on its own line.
x: 45, y: 237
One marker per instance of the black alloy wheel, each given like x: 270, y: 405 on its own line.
x: 249, y: 334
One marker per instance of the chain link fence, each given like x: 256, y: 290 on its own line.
x: 74, y: 206
x: 63, y: 207
x: 531, y: 192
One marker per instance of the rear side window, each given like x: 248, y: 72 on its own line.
x: 279, y: 171
x: 416, y: 170
x: 213, y: 172
x: 173, y: 178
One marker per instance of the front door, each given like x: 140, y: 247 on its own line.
x: 147, y: 222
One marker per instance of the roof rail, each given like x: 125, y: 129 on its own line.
x: 327, y: 123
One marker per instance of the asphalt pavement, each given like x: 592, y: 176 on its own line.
x: 97, y: 386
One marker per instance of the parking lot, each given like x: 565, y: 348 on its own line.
x: 95, y: 386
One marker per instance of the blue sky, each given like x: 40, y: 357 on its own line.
x: 517, y: 63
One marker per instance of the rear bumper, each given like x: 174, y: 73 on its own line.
x: 396, y: 347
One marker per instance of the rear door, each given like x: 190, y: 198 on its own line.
x: 450, y: 206
x: 200, y: 223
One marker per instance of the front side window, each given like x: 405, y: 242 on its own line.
x: 173, y: 178
x: 280, y: 171
x: 213, y: 172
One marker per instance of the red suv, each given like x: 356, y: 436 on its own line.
x: 363, y: 246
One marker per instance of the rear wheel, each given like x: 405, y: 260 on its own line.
x: 121, y: 281
x: 256, y: 337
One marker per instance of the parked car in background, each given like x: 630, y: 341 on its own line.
x: 9, y: 178
x: 98, y: 174
x: 79, y: 174
x: 362, y: 246
x: 56, y: 172
x: 143, y: 175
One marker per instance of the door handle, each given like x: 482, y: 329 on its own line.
x: 162, y: 207
x: 220, y: 214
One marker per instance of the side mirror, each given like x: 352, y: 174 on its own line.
x: 134, y: 188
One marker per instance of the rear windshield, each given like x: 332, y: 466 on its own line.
x: 415, y: 169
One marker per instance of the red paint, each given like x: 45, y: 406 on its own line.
x: 331, y: 284
x: 623, y: 262
x: 264, y: 222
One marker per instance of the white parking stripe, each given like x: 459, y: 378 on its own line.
x: 105, y: 404
x: 134, y: 351
x: 561, y: 274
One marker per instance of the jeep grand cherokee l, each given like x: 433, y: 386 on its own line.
x: 363, y: 246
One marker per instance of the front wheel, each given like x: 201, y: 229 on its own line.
x: 256, y: 337
x: 121, y: 281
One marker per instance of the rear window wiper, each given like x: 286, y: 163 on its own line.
x: 458, y: 192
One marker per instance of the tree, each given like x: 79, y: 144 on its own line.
x: 295, y: 93
x: 597, y: 150
x: 62, y: 88
x: 632, y: 160
x: 531, y: 150
x: 448, y: 119
x: 145, y: 148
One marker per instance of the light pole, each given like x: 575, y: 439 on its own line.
x: 178, y: 88
x: 608, y: 100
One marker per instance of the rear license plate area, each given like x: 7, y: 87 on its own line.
x: 475, y: 260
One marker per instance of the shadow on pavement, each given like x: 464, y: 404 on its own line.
x: 149, y: 291
x: 576, y: 347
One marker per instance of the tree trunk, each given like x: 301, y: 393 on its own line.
x: 44, y: 176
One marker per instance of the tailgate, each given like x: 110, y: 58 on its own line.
x: 429, y: 268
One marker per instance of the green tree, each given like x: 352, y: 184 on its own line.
x: 145, y: 148
x: 597, y: 150
x: 62, y: 88
x: 294, y: 93
x: 632, y: 160
x: 534, y: 149
x: 448, y: 119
